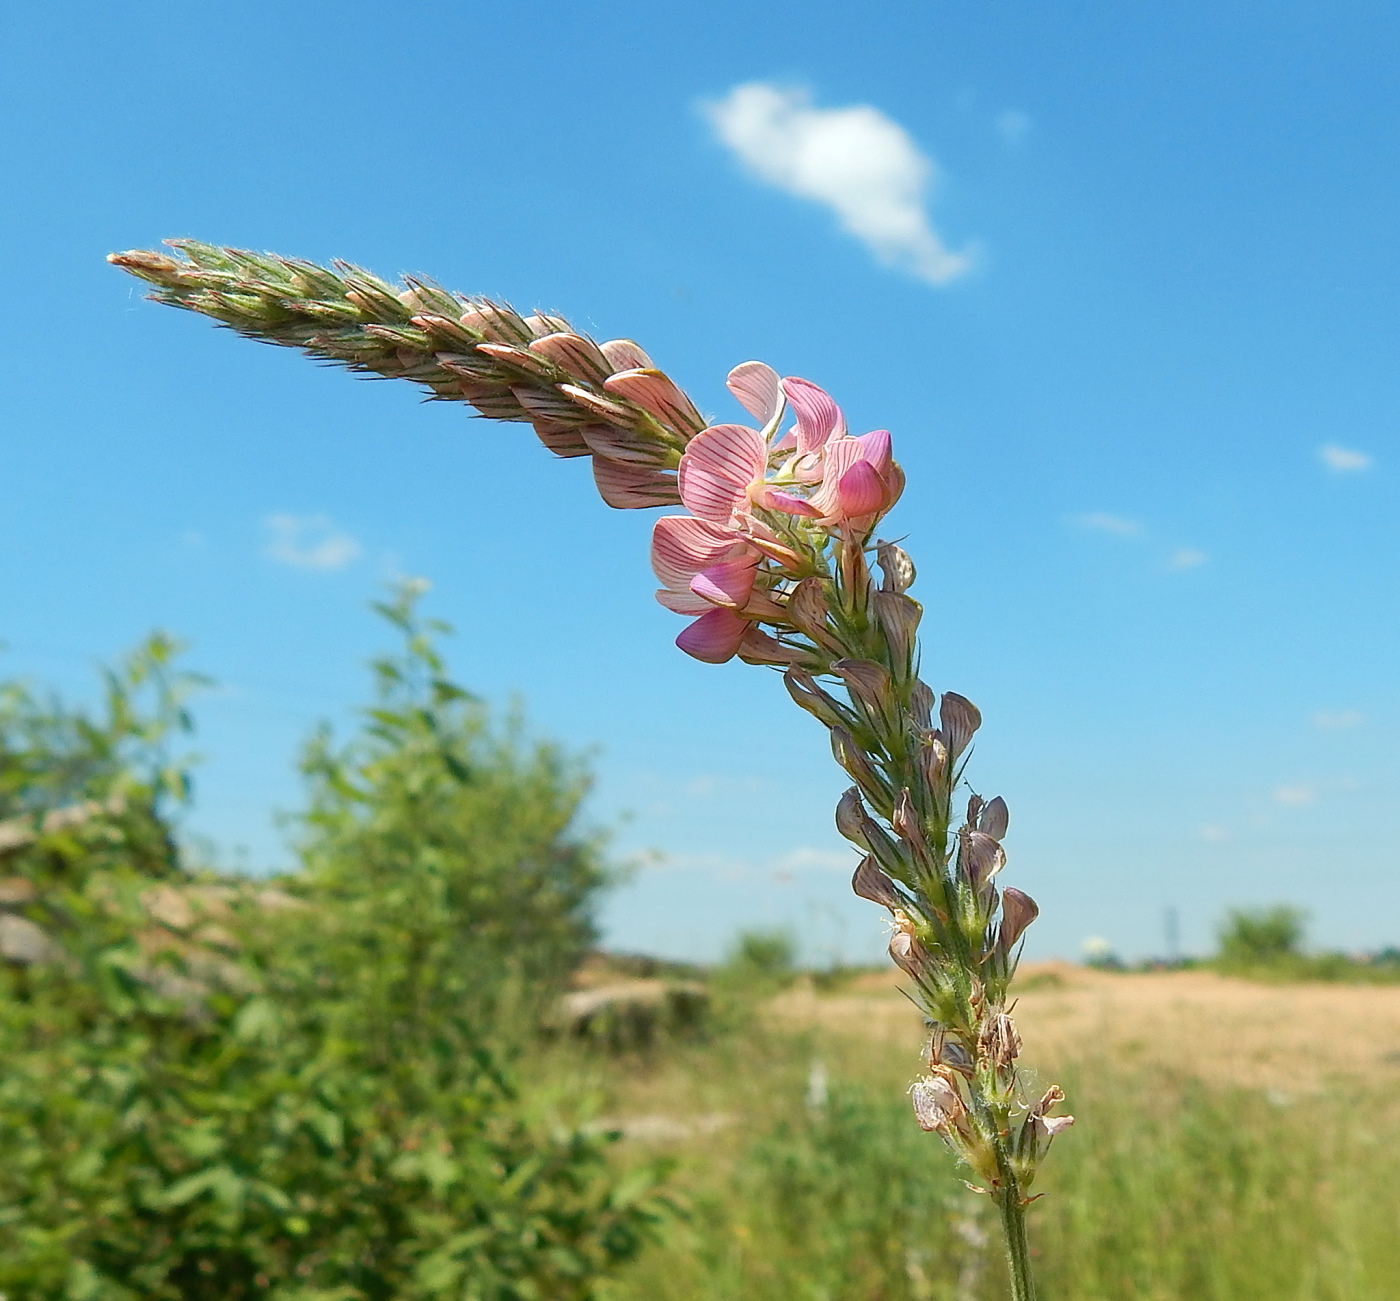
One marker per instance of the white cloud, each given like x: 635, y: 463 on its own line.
x: 1295, y: 796
x: 1012, y: 125
x: 1337, y: 720
x: 856, y: 161
x: 1214, y: 834
x: 309, y: 542
x: 1102, y: 522
x: 1186, y: 558
x: 1343, y: 460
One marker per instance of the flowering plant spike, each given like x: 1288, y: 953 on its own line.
x: 770, y: 561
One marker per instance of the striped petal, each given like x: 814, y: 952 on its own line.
x: 729, y: 583
x: 624, y: 354
x: 838, y: 456
x: 875, y: 448
x: 684, y: 602
x: 818, y: 416
x: 860, y: 490
x: 756, y: 386
x: 681, y: 547
x: 714, y: 637
x: 717, y: 469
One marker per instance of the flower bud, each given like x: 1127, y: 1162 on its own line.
x: 1018, y: 910
x: 908, y: 954
x: 807, y: 608
x: 895, y: 565
x: 657, y: 394
x: 958, y: 719
x: 933, y: 760
x: 757, y: 647
x: 624, y: 354
x: 575, y: 354
x: 869, y: 685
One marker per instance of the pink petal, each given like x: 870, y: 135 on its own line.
x: 623, y: 354
x: 875, y: 448
x: 718, y: 466
x: 757, y: 387
x: 681, y: 547
x: 632, y: 487
x: 684, y: 602
x: 714, y: 637
x: 729, y: 584
x: 776, y: 499
x: 838, y: 456
x: 860, y: 490
x: 818, y: 416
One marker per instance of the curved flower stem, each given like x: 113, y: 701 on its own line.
x: 1018, y: 1255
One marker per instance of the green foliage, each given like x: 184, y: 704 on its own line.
x: 760, y: 961
x: 430, y: 814
x: 218, y: 1090
x: 1258, y: 936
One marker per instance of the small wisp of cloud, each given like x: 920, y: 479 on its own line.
x: 1098, y: 521
x: 1337, y: 720
x: 1343, y: 460
x: 309, y: 542
x: 856, y: 161
x: 1295, y: 797
x: 1013, y: 125
x: 1186, y: 558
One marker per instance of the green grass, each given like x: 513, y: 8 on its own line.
x: 1166, y: 1189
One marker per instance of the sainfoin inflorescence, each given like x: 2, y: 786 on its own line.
x: 771, y: 561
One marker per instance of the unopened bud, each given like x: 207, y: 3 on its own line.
x: 808, y: 610
x: 895, y: 565
x: 575, y: 354
x: 624, y: 354
x: 1018, y: 910
x: 994, y: 818
x: 657, y: 394
x: 905, y: 949
x: 871, y: 883
x: 958, y: 719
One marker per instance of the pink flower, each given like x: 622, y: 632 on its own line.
x: 858, y: 478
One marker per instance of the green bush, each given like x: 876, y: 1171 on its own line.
x: 214, y: 1089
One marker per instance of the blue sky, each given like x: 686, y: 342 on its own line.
x: 1122, y: 281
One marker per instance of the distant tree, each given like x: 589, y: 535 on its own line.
x: 1261, y: 936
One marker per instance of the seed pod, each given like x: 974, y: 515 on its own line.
x: 803, y: 688
x: 870, y: 687
x: 921, y: 700
x: 853, y: 759
x: 980, y: 858
x: 895, y: 565
x: 898, y: 617
x: 994, y: 818
x: 850, y: 814
x: 997, y: 1041
x: 1018, y: 910
x: 933, y: 760
x: 958, y: 719
x: 871, y: 883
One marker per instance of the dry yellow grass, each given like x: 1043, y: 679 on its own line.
x: 1286, y: 1037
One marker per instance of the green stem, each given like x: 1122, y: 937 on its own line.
x: 1018, y: 1253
